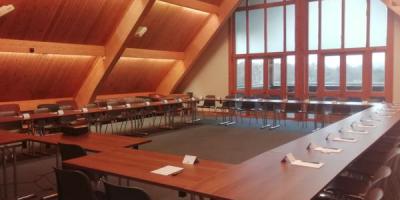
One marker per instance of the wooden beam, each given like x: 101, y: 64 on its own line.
x: 197, y: 46
x: 155, y: 54
x: 32, y: 104
x: 195, y: 4
x: 114, y: 48
x: 25, y: 46
x: 118, y: 96
x: 393, y: 5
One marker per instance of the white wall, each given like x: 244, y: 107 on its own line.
x: 210, y: 74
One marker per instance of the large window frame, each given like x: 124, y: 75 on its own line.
x: 301, y: 57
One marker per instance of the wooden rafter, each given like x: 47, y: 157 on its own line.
x: 25, y: 46
x: 197, y: 46
x: 393, y: 5
x: 114, y: 49
x: 156, y: 54
x: 195, y: 4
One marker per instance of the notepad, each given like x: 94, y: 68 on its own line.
x: 366, y: 125
x: 165, y: 101
x: 60, y: 112
x: 189, y: 160
x: 128, y: 105
x: 328, y: 150
x: 147, y: 103
x: 363, y: 132
x: 180, y: 100
x: 307, y: 164
x: 109, y: 107
x: 168, y: 170
x: 85, y: 110
x: 341, y: 139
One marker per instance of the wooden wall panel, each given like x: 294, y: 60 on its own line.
x: 133, y: 75
x: 36, y: 76
x: 170, y: 27
x: 67, y: 21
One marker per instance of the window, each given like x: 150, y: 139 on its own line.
x: 290, y: 73
x: 257, y: 73
x: 332, y: 72
x: 378, y: 34
x: 313, y: 25
x: 256, y: 31
x: 355, y: 23
x: 274, y: 72
x: 275, y: 29
x: 354, y: 72
x: 346, y: 54
x: 312, y: 72
x: 241, y: 35
x: 331, y: 23
x: 290, y: 27
x: 378, y: 71
x: 240, y: 72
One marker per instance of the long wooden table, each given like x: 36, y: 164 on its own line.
x: 266, y: 177
x: 137, y: 165
x: 93, y: 141
x: 6, y: 139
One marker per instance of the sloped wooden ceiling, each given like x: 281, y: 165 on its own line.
x: 135, y: 75
x: 170, y: 27
x: 35, y: 76
x: 65, y: 21
x: 393, y: 5
x: 78, y: 49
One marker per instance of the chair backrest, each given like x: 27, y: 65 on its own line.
x: 70, y: 151
x: 8, y: 113
x: 374, y: 194
x: 51, y: 107
x: 209, y: 101
x: 114, y: 192
x: 382, y: 173
x: 67, y: 104
x: 42, y: 110
x: 392, y: 154
x: 73, y: 185
x: 10, y: 107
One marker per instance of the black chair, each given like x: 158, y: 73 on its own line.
x: 208, y: 103
x: 114, y: 192
x: 70, y: 151
x: 75, y: 185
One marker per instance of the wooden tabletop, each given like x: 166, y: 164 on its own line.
x: 137, y: 165
x: 8, y: 137
x: 264, y: 177
x: 93, y: 141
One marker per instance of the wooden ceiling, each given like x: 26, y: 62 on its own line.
x: 78, y: 49
x: 170, y: 28
x: 134, y: 75
x: 393, y: 5
x: 35, y: 76
x: 65, y: 21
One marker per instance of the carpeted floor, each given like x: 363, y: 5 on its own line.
x: 207, y: 140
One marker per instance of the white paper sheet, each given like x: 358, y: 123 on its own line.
x: 339, y: 139
x: 168, y: 170
x: 307, y: 164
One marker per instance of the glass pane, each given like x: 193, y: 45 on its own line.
x: 255, y: 2
x: 240, y: 66
x: 354, y: 71
x: 290, y: 72
x: 355, y: 23
x: 240, y: 24
x: 312, y: 72
x: 378, y: 26
x: 331, y: 24
x: 256, y: 31
x: 332, y: 72
x: 378, y: 71
x: 290, y: 27
x: 272, y: 1
x: 257, y: 73
x: 313, y: 25
x: 275, y: 29
x: 274, y: 73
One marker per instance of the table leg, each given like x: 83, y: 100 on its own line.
x: 4, y: 165
x: 14, y: 155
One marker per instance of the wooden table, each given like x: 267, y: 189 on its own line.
x: 92, y: 141
x: 6, y: 139
x: 137, y: 165
x: 264, y: 177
